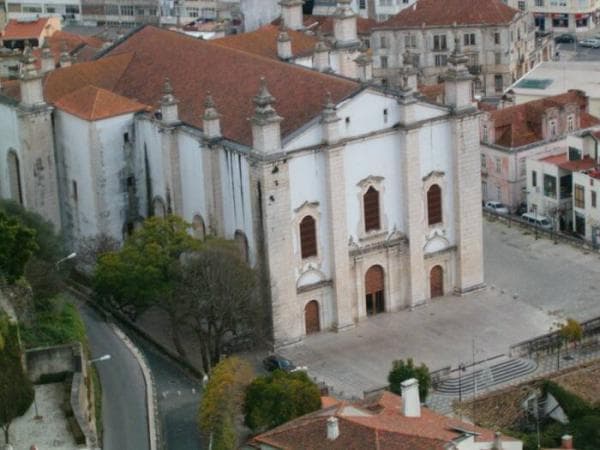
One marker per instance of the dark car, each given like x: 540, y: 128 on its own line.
x: 274, y: 362
x: 564, y: 39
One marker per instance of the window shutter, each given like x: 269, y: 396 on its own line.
x: 434, y: 204
x: 308, y: 237
x: 371, y: 209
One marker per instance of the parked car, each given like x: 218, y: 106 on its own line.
x: 538, y: 221
x: 274, y: 362
x: 565, y: 38
x: 591, y: 42
x: 497, y: 207
x: 521, y: 209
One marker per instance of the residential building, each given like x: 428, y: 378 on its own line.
x: 67, y: 10
x: 129, y: 13
x: 19, y: 32
x: 499, y: 42
x: 379, y: 10
x: 352, y: 200
x: 553, y: 78
x: 536, y: 129
x: 384, y: 421
x: 561, y: 16
x: 565, y: 187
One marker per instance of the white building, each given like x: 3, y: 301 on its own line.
x: 561, y: 16
x: 368, y: 204
x: 68, y: 10
x: 499, y: 42
x: 554, y: 78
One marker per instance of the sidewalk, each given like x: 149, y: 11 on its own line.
x: 547, y: 365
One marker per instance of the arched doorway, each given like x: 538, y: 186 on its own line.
x: 14, y: 177
x: 242, y: 243
x: 198, y: 228
x: 311, y: 317
x: 374, y: 290
x: 436, y: 281
x: 158, y: 207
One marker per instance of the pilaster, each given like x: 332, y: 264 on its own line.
x: 340, y: 259
x: 414, y: 214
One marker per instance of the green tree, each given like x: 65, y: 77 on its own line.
x: 405, y: 370
x: 586, y: 432
x: 278, y: 398
x: 571, y: 331
x: 144, y: 272
x: 222, y: 401
x: 17, y: 244
x: 219, y: 290
x: 16, y: 391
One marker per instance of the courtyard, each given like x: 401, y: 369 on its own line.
x: 530, y: 285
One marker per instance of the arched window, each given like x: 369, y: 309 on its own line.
x: 242, y: 243
x: 434, y: 204
x: 198, y: 228
x: 371, y: 209
x: 14, y: 177
x: 308, y: 237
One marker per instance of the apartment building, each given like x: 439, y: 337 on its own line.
x: 561, y: 15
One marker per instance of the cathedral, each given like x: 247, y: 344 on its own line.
x: 352, y: 199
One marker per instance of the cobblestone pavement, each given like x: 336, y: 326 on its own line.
x: 531, y: 284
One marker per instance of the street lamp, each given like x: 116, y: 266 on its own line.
x: 100, y: 359
x: 66, y: 258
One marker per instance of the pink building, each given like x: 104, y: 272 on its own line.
x: 511, y: 135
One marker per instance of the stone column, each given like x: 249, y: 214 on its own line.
x: 340, y: 261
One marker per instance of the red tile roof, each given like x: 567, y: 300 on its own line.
x: 18, y: 30
x: 433, y: 92
x: 462, y: 12
x: 195, y: 67
x: 520, y: 125
x: 264, y: 42
x: 371, y: 424
x: 83, y: 48
x: 92, y: 103
x: 563, y: 162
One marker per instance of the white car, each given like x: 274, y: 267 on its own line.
x: 593, y: 43
x: 496, y: 207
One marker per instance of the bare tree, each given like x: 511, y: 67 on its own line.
x: 220, y: 294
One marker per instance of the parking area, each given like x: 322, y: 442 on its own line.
x: 531, y: 284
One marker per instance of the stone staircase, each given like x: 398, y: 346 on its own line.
x: 482, y: 379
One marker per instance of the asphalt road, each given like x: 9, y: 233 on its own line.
x: 123, y: 390
x: 178, y: 399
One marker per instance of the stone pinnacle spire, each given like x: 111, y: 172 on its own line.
x: 264, y: 112
x: 210, y: 109
x: 29, y: 69
x: 168, y: 96
x: 329, y: 110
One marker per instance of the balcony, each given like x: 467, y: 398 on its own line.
x: 474, y: 69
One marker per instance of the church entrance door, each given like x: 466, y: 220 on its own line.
x: 374, y: 288
x: 311, y: 317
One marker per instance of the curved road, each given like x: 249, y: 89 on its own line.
x: 123, y: 390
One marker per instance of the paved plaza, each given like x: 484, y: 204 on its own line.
x: 531, y: 284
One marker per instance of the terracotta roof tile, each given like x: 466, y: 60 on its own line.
x: 433, y: 92
x: 372, y: 424
x: 264, y: 42
x: 92, y: 103
x: 195, y: 67
x: 84, y: 48
x: 16, y: 30
x: 462, y: 12
x: 520, y: 125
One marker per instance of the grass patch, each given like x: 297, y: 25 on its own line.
x: 97, y: 400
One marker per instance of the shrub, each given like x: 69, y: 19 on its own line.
x: 62, y: 324
x: 278, y: 398
x: 402, y: 371
x: 586, y: 432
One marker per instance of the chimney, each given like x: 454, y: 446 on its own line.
x: 211, y: 119
x: 497, y: 441
x: 47, y: 59
x: 411, y: 403
x: 266, y: 123
x: 32, y: 92
x: 321, y: 55
x: 567, y: 441
x: 291, y: 14
x: 330, y: 122
x: 344, y: 25
x: 219, y: 31
x: 168, y: 105
x: 284, y: 45
x: 65, y: 58
x: 333, y: 428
